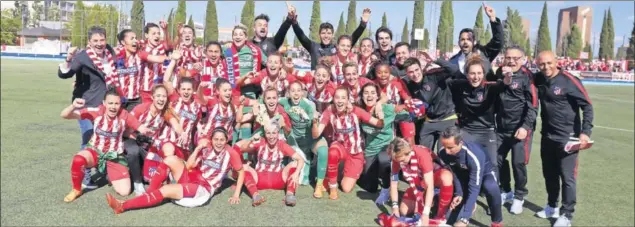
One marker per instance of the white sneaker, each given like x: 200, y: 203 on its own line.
x: 562, y: 221
x: 384, y: 195
x: 139, y: 189
x: 517, y: 206
x: 549, y: 212
x: 87, y: 182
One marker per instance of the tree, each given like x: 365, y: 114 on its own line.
x: 527, y: 47
x: 514, y: 29
x: 630, y: 52
x: 610, y: 44
x: 351, y: 21
x: 211, y: 22
x: 589, y: 52
x: 479, y: 27
x: 113, y: 20
x: 22, y: 11
x: 543, y: 41
x: 621, y: 53
x: 340, y: 26
x: 426, y: 39
x: 78, y: 29
x: 53, y: 13
x: 190, y: 22
x: 9, y: 27
x: 417, y: 23
x: 38, y: 13
x: 296, y: 42
x: 384, y: 20
x: 603, y: 39
x: 137, y: 17
x: 487, y: 35
x: 181, y: 11
x: 404, y: 33
x: 314, y: 28
x: 171, y: 25
x: 574, y: 42
x: 446, y: 28
x: 247, y: 16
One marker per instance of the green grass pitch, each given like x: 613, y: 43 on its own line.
x: 37, y: 147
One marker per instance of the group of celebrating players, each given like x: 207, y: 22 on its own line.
x: 182, y: 118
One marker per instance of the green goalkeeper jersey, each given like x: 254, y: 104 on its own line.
x: 301, y: 116
x: 377, y: 139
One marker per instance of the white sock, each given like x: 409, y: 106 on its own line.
x: 138, y: 187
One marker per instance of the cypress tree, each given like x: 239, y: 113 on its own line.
x: 417, y: 22
x: 247, y: 16
x: 487, y: 35
x: 603, y: 39
x: 543, y: 42
x: 384, y: 20
x: 351, y: 21
x: 426, y: 39
x: 171, y: 25
x: 450, y: 32
x: 574, y: 42
x: 610, y: 44
x: 340, y: 26
x: 190, y: 22
x: 211, y: 22
x: 479, y: 27
x: 137, y: 17
x: 404, y: 32
x: 589, y: 51
x: 296, y: 42
x: 442, y: 28
x: 314, y: 28
x: 630, y: 52
x: 179, y: 17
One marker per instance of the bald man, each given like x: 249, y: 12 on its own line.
x: 562, y: 96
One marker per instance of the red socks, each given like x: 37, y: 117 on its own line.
x: 291, y: 185
x: 157, y: 180
x: 250, y: 183
x: 77, y: 171
x: 445, y: 198
x: 146, y: 200
x: 333, y: 166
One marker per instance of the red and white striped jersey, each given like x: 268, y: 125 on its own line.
x: 396, y: 91
x: 212, y: 72
x: 108, y: 132
x: 189, y: 56
x: 130, y: 70
x: 156, y: 122
x: 270, y: 159
x: 152, y: 71
x: 189, y: 114
x: 215, y: 164
x: 337, y: 70
x: 420, y: 163
x: 218, y: 115
x: 281, y: 86
x: 321, y: 98
x: 346, y: 127
x: 364, y: 66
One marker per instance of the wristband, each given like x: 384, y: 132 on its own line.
x: 426, y: 210
x: 394, y: 204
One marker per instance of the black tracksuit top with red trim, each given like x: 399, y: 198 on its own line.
x: 518, y: 103
x: 561, y: 99
x: 475, y: 105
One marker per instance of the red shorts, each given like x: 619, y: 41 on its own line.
x: 353, y: 163
x: 178, y: 151
x: 270, y: 180
x: 409, y: 194
x: 154, y: 158
x: 407, y: 129
x: 115, y: 171
x: 190, y: 180
x: 146, y: 96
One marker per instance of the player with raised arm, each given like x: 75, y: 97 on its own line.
x: 105, y: 148
x: 193, y: 182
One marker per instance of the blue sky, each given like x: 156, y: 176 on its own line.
x: 397, y: 12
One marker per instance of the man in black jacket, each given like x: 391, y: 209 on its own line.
x: 270, y: 45
x: 431, y: 87
x: 562, y: 96
x: 488, y: 53
x: 326, y: 47
x: 515, y: 121
x: 90, y: 81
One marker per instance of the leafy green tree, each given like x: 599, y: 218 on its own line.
x: 610, y: 44
x: 137, y: 17
x: 78, y: 30
x: 630, y: 52
x: 479, y: 27
x: 38, y: 13
x: 384, y: 20
x: 190, y: 22
x: 543, y: 42
x: 404, y: 32
x: 247, y: 16
x: 604, y: 35
x: 341, y: 27
x: 181, y: 11
x: 426, y: 39
x: 574, y: 42
x: 211, y: 22
x: 314, y: 28
x: 9, y: 27
x: 351, y: 21
x: 417, y: 23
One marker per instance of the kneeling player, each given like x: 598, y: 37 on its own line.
x: 269, y: 172
x: 423, y: 175
x: 194, y: 182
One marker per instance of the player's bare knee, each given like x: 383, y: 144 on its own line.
x: 170, y: 160
x: 446, y: 177
x: 122, y: 191
x: 168, y: 149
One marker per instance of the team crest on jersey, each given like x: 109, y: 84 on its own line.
x: 479, y: 96
x: 126, y: 71
x: 557, y: 90
x: 332, y: 50
x: 104, y: 133
x: 426, y: 87
x: 187, y: 114
x: 264, y: 47
x: 514, y: 85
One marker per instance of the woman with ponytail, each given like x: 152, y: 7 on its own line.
x: 193, y: 182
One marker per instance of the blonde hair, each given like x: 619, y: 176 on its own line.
x: 398, y: 147
x: 474, y: 59
x: 241, y: 27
